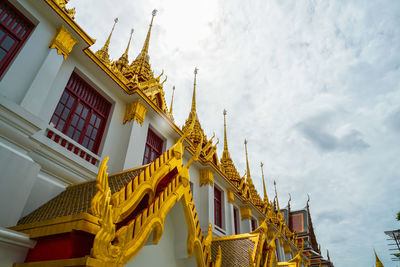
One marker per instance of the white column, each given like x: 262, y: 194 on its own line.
x: 36, y: 95
x: 245, y: 226
x: 18, y: 174
x: 137, y: 141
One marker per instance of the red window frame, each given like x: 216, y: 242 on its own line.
x: 253, y: 224
x: 236, y: 220
x: 14, y: 31
x: 153, y: 148
x: 81, y: 113
x: 217, y: 207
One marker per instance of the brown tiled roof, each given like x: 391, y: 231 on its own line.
x: 235, y: 251
x: 76, y: 199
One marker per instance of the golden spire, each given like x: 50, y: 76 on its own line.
x: 197, y: 134
x: 140, y: 67
x: 102, y: 54
x: 125, y: 55
x: 123, y: 61
x: 378, y: 263
x: 194, y: 91
x: 145, y: 49
x: 225, y: 153
x: 172, y: 100
x: 277, y: 201
x: 265, y: 190
x: 247, y: 162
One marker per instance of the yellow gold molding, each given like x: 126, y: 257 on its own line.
x: 206, y: 177
x: 63, y: 42
x: 245, y: 212
x: 80, y: 222
x: 231, y: 196
x: 135, y: 111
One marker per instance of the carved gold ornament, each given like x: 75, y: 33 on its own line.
x: 135, y: 111
x: 245, y: 213
x: 63, y: 42
x: 206, y: 177
x: 231, y: 196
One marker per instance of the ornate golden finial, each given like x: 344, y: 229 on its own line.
x: 194, y: 91
x: 277, y: 201
x: 247, y: 162
x: 102, y: 54
x: 265, y: 190
x: 172, y: 100
x: 225, y: 138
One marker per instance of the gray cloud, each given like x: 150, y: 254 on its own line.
x: 315, y: 130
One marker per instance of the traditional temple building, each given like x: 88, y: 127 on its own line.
x: 95, y: 172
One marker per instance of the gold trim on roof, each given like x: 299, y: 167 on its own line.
x: 63, y: 5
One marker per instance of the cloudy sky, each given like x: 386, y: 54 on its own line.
x: 314, y: 86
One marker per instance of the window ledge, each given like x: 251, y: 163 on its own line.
x: 70, y: 144
x: 219, y: 230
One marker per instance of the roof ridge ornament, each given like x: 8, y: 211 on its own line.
x: 102, y: 54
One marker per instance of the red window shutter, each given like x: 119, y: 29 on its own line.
x: 253, y: 224
x: 236, y: 220
x: 81, y: 113
x: 218, y: 207
x: 14, y: 30
x: 153, y: 148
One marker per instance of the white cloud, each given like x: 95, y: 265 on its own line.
x: 313, y: 86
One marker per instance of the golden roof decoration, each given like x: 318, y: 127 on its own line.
x: 63, y: 5
x: 102, y: 54
x: 197, y: 135
x: 226, y: 161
